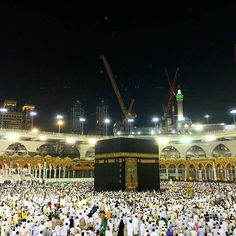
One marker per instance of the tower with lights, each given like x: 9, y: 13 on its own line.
x: 180, y: 113
x: 179, y: 99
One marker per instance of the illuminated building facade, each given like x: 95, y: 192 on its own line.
x: 102, y: 114
x: 77, y: 112
x: 12, y: 118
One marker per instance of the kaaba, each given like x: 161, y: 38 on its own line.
x: 126, y: 164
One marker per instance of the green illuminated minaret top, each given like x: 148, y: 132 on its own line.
x: 179, y: 96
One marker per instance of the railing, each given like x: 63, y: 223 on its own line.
x: 63, y: 180
x: 62, y: 136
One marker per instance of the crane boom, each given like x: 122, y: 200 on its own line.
x: 131, y: 106
x: 172, y: 85
x: 114, y: 85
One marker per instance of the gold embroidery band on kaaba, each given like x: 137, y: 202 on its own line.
x: 127, y: 155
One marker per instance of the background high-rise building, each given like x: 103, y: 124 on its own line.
x: 77, y: 112
x: 27, y: 117
x: 101, y: 114
x: 12, y: 118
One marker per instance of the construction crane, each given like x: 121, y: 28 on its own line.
x: 170, y: 101
x: 128, y: 116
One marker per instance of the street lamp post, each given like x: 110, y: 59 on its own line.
x: 234, y: 113
x: 106, y: 121
x: 59, y: 123
x: 82, y: 120
x: 155, y: 120
x: 207, y: 118
x: 130, y: 122
x: 2, y: 110
x: 32, y: 114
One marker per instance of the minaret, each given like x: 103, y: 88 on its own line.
x: 179, y: 99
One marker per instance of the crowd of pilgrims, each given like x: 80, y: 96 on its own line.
x: 179, y: 209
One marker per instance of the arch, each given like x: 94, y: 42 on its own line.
x: 69, y: 151
x: 170, y: 152
x: 90, y: 152
x: 221, y: 151
x: 195, y: 152
x: 16, y: 148
x: 46, y: 149
x: 200, y: 166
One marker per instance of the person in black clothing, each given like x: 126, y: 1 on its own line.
x: 71, y: 222
x: 121, y: 228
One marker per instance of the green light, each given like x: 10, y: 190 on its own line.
x: 179, y: 96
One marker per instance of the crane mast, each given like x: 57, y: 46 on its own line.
x: 127, y: 113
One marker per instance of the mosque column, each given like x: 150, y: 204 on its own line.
x: 176, y: 173
x: 214, y: 172
x: 226, y: 174
x: 35, y: 173
x: 55, y: 173
x: 185, y: 173
x: 43, y: 174
x: 46, y: 173
x: 10, y: 168
x: 73, y: 174
x: 231, y: 174
x: 234, y: 173
x: 59, y: 176
x: 40, y: 171
x: 44, y: 169
x: 200, y: 174
x: 167, y: 173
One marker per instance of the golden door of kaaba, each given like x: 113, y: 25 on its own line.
x: 131, y: 175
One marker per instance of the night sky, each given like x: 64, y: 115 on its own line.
x: 49, y: 56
